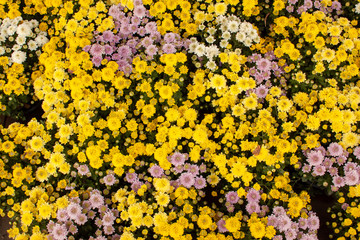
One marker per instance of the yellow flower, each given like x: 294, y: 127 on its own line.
x: 250, y: 102
x: 350, y: 139
x: 218, y: 81
x: 166, y: 92
x: 132, y: 125
x: 204, y: 221
x: 41, y: 174
x: 220, y: 8
x: 45, y: 210
x: 284, y: 105
x: 162, y: 199
x: 162, y: 184
x: 257, y: 229
x: 232, y: 224
x: 27, y: 218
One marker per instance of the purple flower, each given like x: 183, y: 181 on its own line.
x: 97, y: 61
x: 315, y: 157
x: 284, y: 223
x: 131, y: 177
x: 252, y: 207
x: 263, y: 64
x: 140, y: 11
x: 261, y: 91
x: 290, y: 234
x: 168, y: 48
x: 313, y: 222
x: 150, y: 27
x: 253, y: 195
x: 59, y: 231
x: 62, y: 215
x: 279, y: 211
x: 356, y: 152
x: 338, y: 181
x: 221, y: 226
x: 73, y: 210
x: 272, y: 220
x: 351, y: 177
x: 319, y: 170
x: 151, y: 50
x: 335, y: 149
x: 187, y: 180
x: 96, y: 199
x: 109, y: 230
x: 193, y: 169
x: 177, y: 159
x: 81, y: 219
x: 232, y: 197
x: 136, y: 185
x: 333, y: 171
x: 97, y: 50
x: 156, y: 171
x: 341, y: 160
x: 200, y: 182
x: 108, y: 36
x: 109, y: 180
x: 108, y: 218
x: 302, y: 223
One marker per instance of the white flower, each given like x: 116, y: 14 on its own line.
x: 2, y: 38
x: 20, y: 40
x: 245, y: 26
x: 211, y: 30
x: 240, y: 36
x: 357, y: 8
x: 212, y: 51
x: 34, y: 23
x: 201, y: 27
x: 223, y: 43
x: 18, y: 57
x: 11, y: 30
x: 233, y: 26
x: 41, y: 40
x: 2, y: 50
x: 252, y: 33
x: 248, y: 42
x: 32, y: 45
x: 211, y: 65
x: 192, y: 47
x: 210, y: 39
x: 16, y: 47
x: 24, y: 29
x: 200, y: 50
x: 226, y: 35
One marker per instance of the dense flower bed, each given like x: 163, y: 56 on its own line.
x: 180, y: 119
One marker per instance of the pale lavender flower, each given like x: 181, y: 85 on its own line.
x: 302, y: 223
x: 140, y: 11
x: 97, y: 50
x: 315, y: 158
x: 131, y: 177
x: 221, y: 226
x: 187, y: 180
x: 62, y: 215
x: 200, y: 182
x: 96, y: 199
x: 284, y: 223
x: 177, y: 159
x: 313, y: 222
x: 338, y: 181
x: 156, y: 171
x: 108, y: 218
x: 168, y: 48
x: 253, y: 195
x: 232, y: 197
x: 59, y: 231
x: 252, y: 207
x: 351, y: 177
x: 335, y: 149
x: 193, y: 169
x: 261, y: 91
x: 109, y: 180
x: 73, y: 210
x: 109, y: 230
x: 319, y: 170
x: 81, y: 219
x: 263, y: 64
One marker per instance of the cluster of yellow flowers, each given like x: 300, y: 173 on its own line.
x: 183, y: 119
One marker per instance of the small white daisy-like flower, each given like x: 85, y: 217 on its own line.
x: 18, y: 57
x: 248, y: 42
x: 240, y: 36
x: 34, y: 23
x: 10, y: 30
x: 32, y: 45
x: 357, y: 8
x: 212, y: 51
x: 192, y: 47
x: 2, y: 51
x: 233, y: 26
x: 226, y: 35
x: 20, y: 40
x: 41, y: 40
x: 200, y: 50
x: 211, y: 30
x: 16, y: 47
x: 210, y: 39
x: 223, y: 43
x: 211, y: 65
x: 24, y: 29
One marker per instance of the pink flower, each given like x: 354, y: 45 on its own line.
x: 177, y: 159
x: 59, y: 232
x: 253, y: 195
x: 96, y: 200
x: 73, y: 210
x: 315, y: 158
x: 335, y: 149
x: 221, y: 226
x: 200, y: 182
x: 232, y: 197
x: 109, y: 180
x: 156, y: 171
x: 351, y: 177
x: 187, y: 180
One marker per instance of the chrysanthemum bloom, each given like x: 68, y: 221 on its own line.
x: 59, y: 231
x: 73, y: 210
x: 335, y: 149
x: 156, y: 171
x: 96, y: 199
x: 200, y: 182
x: 81, y: 219
x: 109, y: 180
x: 108, y: 218
x: 313, y: 222
x: 221, y: 226
x: 232, y: 197
x: 253, y: 195
x: 351, y: 177
x: 338, y: 181
x: 315, y: 158
x: 319, y: 170
x: 253, y: 207
x: 177, y: 159
x: 284, y: 223
x: 187, y: 180
x: 62, y: 215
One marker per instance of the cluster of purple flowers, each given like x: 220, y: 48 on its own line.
x: 333, y: 161
x: 135, y: 35
x: 294, y: 229
x: 313, y: 5
x: 78, y: 213
x: 265, y: 67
